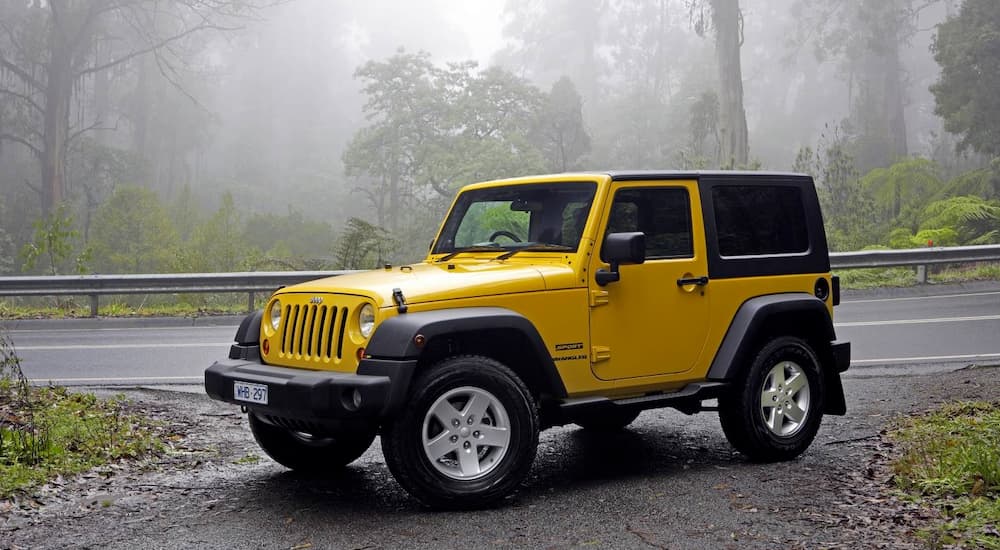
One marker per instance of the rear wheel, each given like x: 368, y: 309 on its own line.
x: 305, y: 452
x: 774, y: 412
x: 467, y: 436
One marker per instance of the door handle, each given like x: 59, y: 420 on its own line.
x: 700, y: 281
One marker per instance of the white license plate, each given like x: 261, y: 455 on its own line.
x: 252, y: 393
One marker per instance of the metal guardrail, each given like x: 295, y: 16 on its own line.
x: 95, y: 286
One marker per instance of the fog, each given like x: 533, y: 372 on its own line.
x: 236, y: 136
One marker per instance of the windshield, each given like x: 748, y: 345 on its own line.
x: 518, y: 217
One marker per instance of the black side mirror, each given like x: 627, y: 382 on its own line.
x: 618, y: 249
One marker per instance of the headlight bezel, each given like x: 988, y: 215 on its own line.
x: 366, y: 320
x: 274, y: 315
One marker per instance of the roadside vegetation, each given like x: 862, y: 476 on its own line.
x: 949, y: 460
x: 50, y: 432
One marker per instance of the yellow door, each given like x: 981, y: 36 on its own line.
x: 647, y: 323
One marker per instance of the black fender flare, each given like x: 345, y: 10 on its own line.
x: 396, y: 338
x: 751, y: 323
x: 249, y: 331
x: 247, y: 338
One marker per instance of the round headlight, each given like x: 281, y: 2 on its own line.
x: 275, y: 314
x: 366, y: 320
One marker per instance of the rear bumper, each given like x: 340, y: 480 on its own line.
x: 375, y: 392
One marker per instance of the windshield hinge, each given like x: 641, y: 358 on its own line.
x: 599, y: 353
x: 598, y: 298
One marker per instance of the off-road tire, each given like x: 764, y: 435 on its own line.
x: 305, y: 453
x: 407, y: 441
x: 742, y: 409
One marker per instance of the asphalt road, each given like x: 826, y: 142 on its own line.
x: 919, y: 328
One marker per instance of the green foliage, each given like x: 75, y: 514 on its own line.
x: 216, y: 244
x: 433, y: 129
x: 288, y: 242
x: 983, y: 183
x: 848, y: 212
x: 132, y: 233
x: 561, y: 136
x: 967, y: 47
x: 54, y: 244
x: 950, y: 458
x: 972, y: 219
x: 45, y: 432
x: 363, y: 246
x: 900, y: 191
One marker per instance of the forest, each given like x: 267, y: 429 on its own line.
x: 158, y: 136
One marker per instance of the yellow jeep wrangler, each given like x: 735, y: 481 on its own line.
x: 570, y: 298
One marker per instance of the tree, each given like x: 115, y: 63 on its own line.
x: 967, y: 47
x: 363, y: 246
x: 49, y: 49
x: 727, y: 21
x: 433, y: 129
x: 561, y: 135
x: 131, y: 233
x: 53, y: 243
x: 847, y: 210
x: 867, y: 37
x: 901, y: 191
x: 216, y: 244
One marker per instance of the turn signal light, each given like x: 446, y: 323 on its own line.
x: 360, y: 354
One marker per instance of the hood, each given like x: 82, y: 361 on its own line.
x: 428, y: 282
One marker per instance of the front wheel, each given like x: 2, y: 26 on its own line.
x: 304, y: 452
x: 774, y: 411
x: 467, y: 436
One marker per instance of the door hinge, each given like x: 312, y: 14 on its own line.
x: 598, y: 298
x: 599, y: 353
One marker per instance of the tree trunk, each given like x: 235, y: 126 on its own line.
x: 894, y: 101
x: 55, y: 129
x: 733, y: 119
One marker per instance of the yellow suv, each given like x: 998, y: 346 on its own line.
x: 544, y: 301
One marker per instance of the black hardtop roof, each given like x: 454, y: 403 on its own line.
x: 716, y: 175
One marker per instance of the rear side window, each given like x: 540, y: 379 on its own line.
x: 758, y: 220
x: 663, y: 214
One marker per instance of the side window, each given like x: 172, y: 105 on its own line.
x: 663, y: 214
x: 757, y: 220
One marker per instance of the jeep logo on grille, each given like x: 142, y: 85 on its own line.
x: 316, y: 300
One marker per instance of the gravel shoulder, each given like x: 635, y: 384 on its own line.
x: 670, y: 481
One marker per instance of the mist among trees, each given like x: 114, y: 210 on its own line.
x: 225, y: 135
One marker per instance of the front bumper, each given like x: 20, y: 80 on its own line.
x: 315, y: 396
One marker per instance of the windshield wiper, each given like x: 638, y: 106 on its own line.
x: 477, y: 248
x: 535, y: 248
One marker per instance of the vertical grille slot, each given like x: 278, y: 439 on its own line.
x: 340, y: 337
x: 319, y: 333
x: 329, y: 335
x: 310, y: 330
x: 286, y: 336
x: 301, y: 332
x: 293, y: 333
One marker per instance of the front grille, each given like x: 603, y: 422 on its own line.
x: 314, y: 332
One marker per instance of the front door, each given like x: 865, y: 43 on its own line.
x: 647, y: 324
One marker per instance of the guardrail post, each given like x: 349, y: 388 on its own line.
x: 250, y: 301
x: 93, y: 305
x: 921, y: 274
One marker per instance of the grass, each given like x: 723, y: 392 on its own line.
x: 890, y: 277
x: 50, y: 432
x: 950, y: 460
x: 164, y: 306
